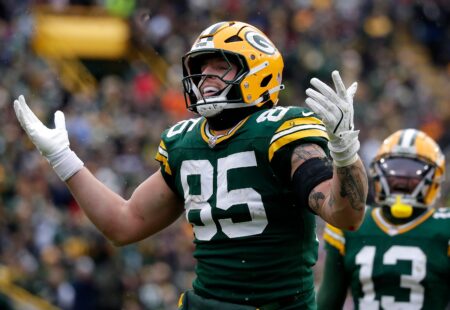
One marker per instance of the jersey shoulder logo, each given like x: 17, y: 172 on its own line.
x: 306, y: 114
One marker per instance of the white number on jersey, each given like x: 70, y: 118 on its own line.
x: 225, y: 199
x: 366, y: 257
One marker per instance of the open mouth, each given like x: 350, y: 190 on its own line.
x: 209, y: 91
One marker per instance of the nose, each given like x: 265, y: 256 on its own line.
x: 208, y: 74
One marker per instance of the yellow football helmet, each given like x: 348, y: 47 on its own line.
x: 259, y: 63
x: 407, y: 172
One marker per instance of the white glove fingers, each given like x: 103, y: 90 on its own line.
x: 60, y: 122
x: 318, y: 109
x: 23, y: 117
x: 326, y: 90
x: 27, y: 113
x: 19, y: 114
x: 339, y: 85
x: 351, y: 91
x: 315, y: 95
x: 324, y: 101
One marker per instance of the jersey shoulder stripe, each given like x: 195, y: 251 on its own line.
x: 296, y: 125
x: 170, y: 136
x: 163, y: 157
x: 334, y: 237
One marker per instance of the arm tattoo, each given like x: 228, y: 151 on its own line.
x: 331, y: 200
x: 316, y: 200
x: 351, y: 186
x: 306, y: 151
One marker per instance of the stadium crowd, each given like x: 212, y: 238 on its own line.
x: 399, y: 52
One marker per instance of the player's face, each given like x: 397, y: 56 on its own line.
x: 214, y: 68
x: 403, y: 184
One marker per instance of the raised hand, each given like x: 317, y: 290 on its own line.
x: 52, y: 143
x: 47, y: 141
x: 336, y: 110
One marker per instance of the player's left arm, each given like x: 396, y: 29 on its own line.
x: 340, y: 200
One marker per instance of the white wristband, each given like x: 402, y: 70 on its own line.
x: 347, y: 162
x: 65, y: 163
x: 344, y: 150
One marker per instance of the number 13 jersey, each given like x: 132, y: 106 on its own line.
x: 396, y: 266
x: 253, y: 245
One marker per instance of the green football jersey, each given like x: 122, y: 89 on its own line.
x: 397, y: 266
x: 253, y: 245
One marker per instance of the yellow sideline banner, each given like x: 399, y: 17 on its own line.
x: 77, y: 33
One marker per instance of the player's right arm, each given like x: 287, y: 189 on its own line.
x: 151, y: 207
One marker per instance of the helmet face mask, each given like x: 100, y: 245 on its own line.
x: 405, y: 177
x: 259, y: 69
x: 408, y: 170
x: 194, y: 80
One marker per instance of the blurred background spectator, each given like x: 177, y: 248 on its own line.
x: 113, y: 67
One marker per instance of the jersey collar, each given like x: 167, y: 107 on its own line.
x: 212, y: 139
x: 392, y: 229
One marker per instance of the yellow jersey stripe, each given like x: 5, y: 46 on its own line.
x: 339, y: 244
x: 163, y: 160
x: 180, y: 301
x: 163, y: 157
x: 335, y: 230
x: 293, y: 129
x: 289, y: 137
x: 163, y: 145
x: 299, y: 121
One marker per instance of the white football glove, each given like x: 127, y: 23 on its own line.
x: 336, y: 111
x: 52, y: 143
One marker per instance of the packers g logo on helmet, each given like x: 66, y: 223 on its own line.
x: 260, y: 42
x: 259, y: 63
x: 408, y: 171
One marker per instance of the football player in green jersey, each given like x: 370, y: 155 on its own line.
x: 400, y: 256
x: 249, y: 176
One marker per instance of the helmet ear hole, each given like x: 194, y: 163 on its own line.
x: 265, y: 81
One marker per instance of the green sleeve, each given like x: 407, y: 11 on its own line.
x: 333, y: 288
